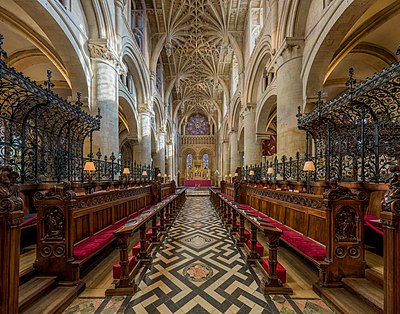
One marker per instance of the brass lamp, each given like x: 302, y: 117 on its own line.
x: 159, y: 177
x: 126, y: 172
x: 270, y: 173
x: 230, y: 178
x: 251, y: 174
x: 144, y: 174
x: 308, y: 168
x: 89, y: 168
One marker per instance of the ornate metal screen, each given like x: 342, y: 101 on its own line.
x: 357, y: 136
x: 41, y: 134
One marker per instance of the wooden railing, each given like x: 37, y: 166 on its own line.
x: 166, y: 212
x: 229, y: 212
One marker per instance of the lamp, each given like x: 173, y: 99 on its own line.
x: 230, y: 178
x: 308, y: 167
x: 126, y: 172
x: 89, y: 168
x: 236, y: 176
x: 270, y: 173
x: 251, y: 173
x: 144, y: 174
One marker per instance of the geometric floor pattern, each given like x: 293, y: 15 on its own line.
x: 198, y: 270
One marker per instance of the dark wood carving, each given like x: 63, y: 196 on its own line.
x: 346, y: 225
x: 390, y: 217
x: 11, y: 215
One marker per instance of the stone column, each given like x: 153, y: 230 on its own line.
x: 161, y: 152
x: 225, y: 159
x: 119, y: 6
x: 235, y: 155
x: 289, y: 97
x: 105, y: 96
x: 252, y: 149
x: 137, y: 153
x: 169, y: 160
x: 145, y: 144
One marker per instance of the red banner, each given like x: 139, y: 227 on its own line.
x: 269, y: 146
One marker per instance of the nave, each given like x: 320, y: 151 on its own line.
x: 199, y: 270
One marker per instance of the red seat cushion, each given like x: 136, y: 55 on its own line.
x: 247, y: 234
x: 117, y: 267
x: 136, y: 249
x: 149, y: 234
x: 259, y: 247
x: 281, y: 271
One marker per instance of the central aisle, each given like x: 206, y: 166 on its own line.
x: 199, y: 269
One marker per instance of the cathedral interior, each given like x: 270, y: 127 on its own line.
x: 198, y: 156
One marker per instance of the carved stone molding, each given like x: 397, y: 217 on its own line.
x: 100, y: 49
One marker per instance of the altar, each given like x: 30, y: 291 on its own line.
x: 197, y: 182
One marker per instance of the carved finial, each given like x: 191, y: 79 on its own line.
x: 48, y: 83
x: 299, y: 114
x: 3, y: 53
x: 78, y: 102
x: 351, y: 82
x: 98, y: 116
x: 319, y: 102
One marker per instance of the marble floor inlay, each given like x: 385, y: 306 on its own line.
x: 199, y: 270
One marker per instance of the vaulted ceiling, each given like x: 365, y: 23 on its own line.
x: 202, y: 39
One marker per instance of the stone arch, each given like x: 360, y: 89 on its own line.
x: 235, y: 118
x: 264, y: 111
x: 319, y: 52
x: 259, y: 59
x: 62, y: 45
x: 136, y: 64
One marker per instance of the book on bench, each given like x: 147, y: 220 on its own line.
x: 259, y: 219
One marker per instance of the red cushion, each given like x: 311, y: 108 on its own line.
x: 373, y: 221
x: 259, y: 247
x: 247, y: 234
x: 281, y: 271
x: 136, y: 249
x: 117, y: 267
x: 149, y: 234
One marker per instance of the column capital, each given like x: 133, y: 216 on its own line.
x: 100, y: 49
x: 292, y: 47
x: 120, y: 3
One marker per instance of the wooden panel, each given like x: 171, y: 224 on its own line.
x: 317, y: 229
x: 296, y: 220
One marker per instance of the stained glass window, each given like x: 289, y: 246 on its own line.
x: 189, y: 162
x: 198, y: 125
x: 205, y: 161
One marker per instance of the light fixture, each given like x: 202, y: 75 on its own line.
x: 270, y: 171
x: 236, y: 174
x: 159, y: 174
x: 308, y: 167
x: 251, y: 173
x: 89, y: 166
x: 126, y: 171
x: 144, y: 173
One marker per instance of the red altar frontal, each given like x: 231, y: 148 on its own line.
x: 197, y: 183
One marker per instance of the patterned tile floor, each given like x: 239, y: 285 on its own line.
x: 198, y: 270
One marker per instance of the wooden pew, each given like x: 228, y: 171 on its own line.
x: 73, y: 230
x: 326, y: 229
